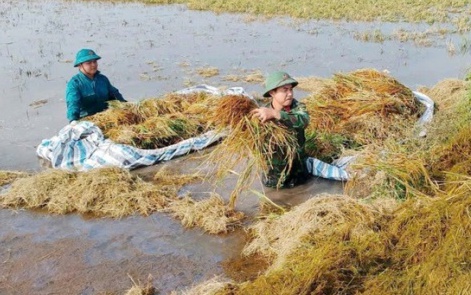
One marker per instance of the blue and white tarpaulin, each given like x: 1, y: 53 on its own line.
x: 82, y: 147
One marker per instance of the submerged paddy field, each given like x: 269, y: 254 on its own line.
x: 442, y: 18
x: 399, y: 226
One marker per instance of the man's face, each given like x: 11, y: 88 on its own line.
x: 282, y: 96
x: 89, y: 67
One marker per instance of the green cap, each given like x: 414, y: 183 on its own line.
x: 85, y: 55
x: 278, y: 79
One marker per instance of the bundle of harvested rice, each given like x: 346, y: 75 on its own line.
x: 396, y: 171
x: 249, y: 144
x: 109, y: 192
x: 415, y: 166
x: 114, y: 192
x: 7, y: 177
x: 139, y: 289
x: 156, y: 122
x: 231, y: 109
x: 420, y: 246
x: 316, y: 219
x: 430, y: 241
x: 356, y: 109
x: 324, y: 246
x: 447, y: 145
x: 211, y: 287
x: 211, y: 214
x: 156, y: 132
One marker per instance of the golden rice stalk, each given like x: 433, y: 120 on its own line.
x: 311, y: 84
x: 111, y: 192
x: 7, y: 177
x: 114, y: 117
x: 231, y: 110
x: 326, y: 245
x: 139, y: 289
x: 164, y: 177
x: 183, y: 102
x: 202, y: 107
x: 211, y: 214
x: 448, y: 144
x: 212, y: 286
x: 430, y: 239
x: 447, y: 94
x: 252, y: 145
x: 156, y: 132
x: 153, y: 107
x: 364, y: 106
x: 157, y: 122
x: 391, y: 170
x: 454, y: 155
x: 317, y: 218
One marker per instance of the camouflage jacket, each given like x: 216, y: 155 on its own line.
x: 296, y: 119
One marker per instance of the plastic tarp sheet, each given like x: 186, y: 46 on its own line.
x: 83, y: 147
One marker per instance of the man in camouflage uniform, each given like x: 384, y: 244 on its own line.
x: 291, y: 113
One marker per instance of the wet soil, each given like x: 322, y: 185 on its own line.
x: 148, y: 51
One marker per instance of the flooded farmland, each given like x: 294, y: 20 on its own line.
x: 148, y: 51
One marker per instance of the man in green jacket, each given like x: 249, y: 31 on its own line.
x: 285, y: 110
x: 89, y: 91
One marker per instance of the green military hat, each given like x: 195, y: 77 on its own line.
x: 278, y: 79
x: 85, y: 55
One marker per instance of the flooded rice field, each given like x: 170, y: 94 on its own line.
x: 148, y: 51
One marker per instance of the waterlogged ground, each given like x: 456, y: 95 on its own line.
x: 148, y: 51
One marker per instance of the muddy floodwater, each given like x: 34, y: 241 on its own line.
x: 148, y: 51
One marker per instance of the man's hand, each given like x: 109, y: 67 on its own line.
x: 265, y: 114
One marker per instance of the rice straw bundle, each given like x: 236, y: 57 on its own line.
x: 394, y: 172
x: 164, y: 177
x: 7, y: 177
x: 453, y: 155
x: 203, y: 108
x: 216, y: 285
x: 211, y: 214
x: 114, y: 192
x: 361, y: 107
x: 447, y: 145
x: 231, y: 109
x: 115, y: 117
x: 152, y: 107
x: 316, y: 218
x: 159, y: 131
x: 156, y: 122
x: 430, y: 246
x: 326, y: 245
x: 335, y: 244
x: 251, y: 144
x: 184, y: 102
x: 109, y: 192
x: 420, y: 165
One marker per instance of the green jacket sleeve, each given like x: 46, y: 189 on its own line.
x: 114, y: 92
x: 72, y: 98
